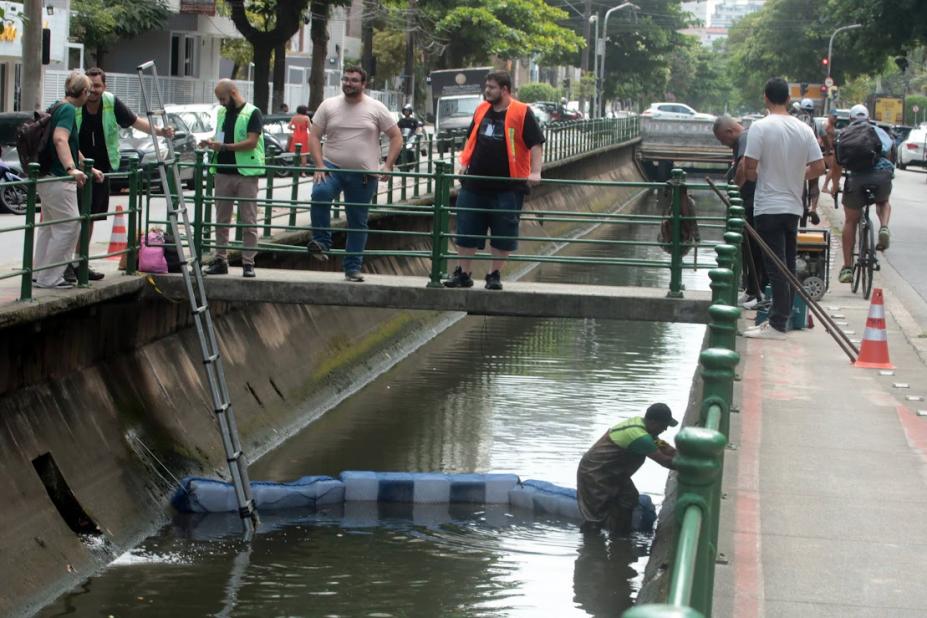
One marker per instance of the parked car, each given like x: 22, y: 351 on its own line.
x: 135, y: 143
x: 541, y: 114
x: 674, y: 110
x: 200, y: 118
x: 913, y: 150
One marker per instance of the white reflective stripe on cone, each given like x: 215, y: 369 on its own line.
x: 877, y: 312
x: 875, y: 334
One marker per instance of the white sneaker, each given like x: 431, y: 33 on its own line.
x: 764, y: 331
x: 751, y: 303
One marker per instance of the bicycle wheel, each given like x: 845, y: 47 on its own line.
x: 870, y: 261
x: 859, y: 254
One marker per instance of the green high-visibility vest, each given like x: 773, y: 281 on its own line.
x: 253, y: 157
x: 110, y: 128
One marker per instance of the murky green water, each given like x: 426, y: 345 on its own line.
x: 499, y: 394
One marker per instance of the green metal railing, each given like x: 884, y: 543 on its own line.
x: 700, y: 448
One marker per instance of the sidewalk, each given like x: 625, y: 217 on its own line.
x: 827, y: 486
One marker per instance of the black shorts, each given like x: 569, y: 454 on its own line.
x: 99, y: 202
x: 853, y: 194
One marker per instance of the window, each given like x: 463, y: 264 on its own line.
x: 175, y: 54
x: 184, y: 55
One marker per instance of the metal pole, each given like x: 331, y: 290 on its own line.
x: 605, y: 42
x: 594, y: 20
x: 830, y: 48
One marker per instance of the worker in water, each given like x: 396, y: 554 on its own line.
x: 604, y: 490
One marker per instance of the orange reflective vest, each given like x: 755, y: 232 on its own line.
x: 519, y: 155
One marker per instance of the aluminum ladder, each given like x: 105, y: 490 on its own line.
x: 177, y: 214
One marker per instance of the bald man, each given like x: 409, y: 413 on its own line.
x: 733, y: 135
x: 239, y: 153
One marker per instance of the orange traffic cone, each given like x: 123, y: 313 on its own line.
x: 119, y: 241
x: 873, y: 353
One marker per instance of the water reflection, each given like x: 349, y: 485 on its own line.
x: 501, y: 394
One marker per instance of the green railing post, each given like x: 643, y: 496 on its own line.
x: 134, y: 206
x: 717, y: 373
x: 723, y: 326
x: 431, y: 163
x: 268, y: 208
x: 294, y: 190
x: 198, y: 175
x: 661, y: 611
x: 721, y: 279
x: 83, y: 270
x: 726, y: 255
x: 209, y: 198
x: 699, y: 464
x: 735, y: 240
x: 440, y: 222
x: 677, y: 181
x: 25, y: 288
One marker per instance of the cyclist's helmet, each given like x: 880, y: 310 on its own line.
x: 407, y: 108
x: 859, y: 112
x: 795, y: 107
x: 807, y: 105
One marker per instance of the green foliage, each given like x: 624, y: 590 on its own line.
x: 100, y: 24
x: 921, y: 102
x: 461, y: 33
x: 699, y: 77
x: 389, y: 48
x: 529, y: 93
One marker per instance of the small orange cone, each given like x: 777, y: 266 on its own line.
x: 119, y: 241
x: 873, y: 353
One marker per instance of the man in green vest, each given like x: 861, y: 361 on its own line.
x: 604, y: 490
x: 239, y: 144
x: 98, y: 123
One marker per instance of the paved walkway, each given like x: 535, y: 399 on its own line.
x: 827, y: 487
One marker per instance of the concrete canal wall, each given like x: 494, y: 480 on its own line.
x: 103, y: 404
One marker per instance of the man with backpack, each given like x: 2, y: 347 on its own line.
x: 57, y: 152
x: 863, y: 149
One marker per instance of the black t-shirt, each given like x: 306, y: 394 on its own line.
x: 255, y: 125
x: 409, y: 122
x: 92, y: 140
x: 749, y: 189
x: 489, y: 157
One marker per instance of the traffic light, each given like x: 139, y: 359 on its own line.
x: 824, y: 62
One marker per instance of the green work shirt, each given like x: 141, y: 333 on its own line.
x: 632, y: 436
x: 64, y: 117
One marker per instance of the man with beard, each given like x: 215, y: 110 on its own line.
x: 351, y: 125
x: 504, y: 141
x: 239, y: 142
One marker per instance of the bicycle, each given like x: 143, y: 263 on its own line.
x: 866, y: 261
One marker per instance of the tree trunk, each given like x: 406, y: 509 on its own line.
x: 31, y: 93
x: 279, y: 76
x: 318, y: 32
x: 409, y: 71
x: 262, y: 53
x: 235, y: 69
x: 367, y: 61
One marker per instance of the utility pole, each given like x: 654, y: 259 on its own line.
x: 584, y: 55
x: 367, y: 18
x: 409, y: 71
x: 31, y: 93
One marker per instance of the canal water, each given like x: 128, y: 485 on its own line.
x: 490, y: 394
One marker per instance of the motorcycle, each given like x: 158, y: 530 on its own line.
x: 12, y: 197
x: 409, y: 154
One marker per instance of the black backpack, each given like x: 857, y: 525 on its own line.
x: 859, y: 147
x: 33, y: 139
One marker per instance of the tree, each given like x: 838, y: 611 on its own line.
x: 529, y: 93
x: 318, y: 33
x: 100, y: 24
x: 279, y: 21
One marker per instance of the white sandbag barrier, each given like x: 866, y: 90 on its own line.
x: 200, y: 495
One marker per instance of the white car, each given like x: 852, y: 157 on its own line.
x: 199, y: 117
x: 674, y: 110
x: 913, y: 151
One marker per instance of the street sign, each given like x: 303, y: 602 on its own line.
x: 829, y: 81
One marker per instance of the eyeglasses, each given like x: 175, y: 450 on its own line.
x: 352, y: 80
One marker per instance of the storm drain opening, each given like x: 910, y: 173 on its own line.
x: 62, y: 497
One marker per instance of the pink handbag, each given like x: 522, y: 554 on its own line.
x: 151, y: 254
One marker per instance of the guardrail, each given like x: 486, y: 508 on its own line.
x: 700, y: 448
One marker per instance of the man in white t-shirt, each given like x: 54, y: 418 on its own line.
x: 782, y: 155
x: 351, y: 124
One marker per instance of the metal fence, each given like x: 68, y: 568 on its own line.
x: 187, y: 90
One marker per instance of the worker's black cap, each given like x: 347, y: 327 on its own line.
x: 660, y: 412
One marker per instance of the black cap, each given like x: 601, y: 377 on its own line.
x: 661, y: 413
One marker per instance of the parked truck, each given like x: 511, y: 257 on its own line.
x: 455, y: 93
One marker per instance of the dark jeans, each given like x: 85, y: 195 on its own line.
x: 779, y: 231
x: 358, y: 189
x: 754, y: 270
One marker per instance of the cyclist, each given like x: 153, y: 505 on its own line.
x: 813, y: 191
x: 877, y: 175
x: 408, y: 120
